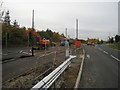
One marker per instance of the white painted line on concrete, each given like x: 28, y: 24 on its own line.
x: 8, y: 60
x: 105, y: 52
x: 21, y: 51
x: 115, y: 58
x: 27, y: 53
x: 46, y: 54
x: 88, y: 56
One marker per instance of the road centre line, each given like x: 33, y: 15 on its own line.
x: 110, y: 55
x: 115, y: 58
x: 105, y: 52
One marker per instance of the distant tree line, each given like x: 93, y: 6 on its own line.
x: 94, y: 40
x: 115, y: 39
x: 16, y: 35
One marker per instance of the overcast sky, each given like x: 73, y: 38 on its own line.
x: 96, y: 19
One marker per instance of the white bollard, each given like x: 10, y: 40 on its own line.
x: 67, y: 48
x: 67, y: 52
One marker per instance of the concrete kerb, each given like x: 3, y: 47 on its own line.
x: 80, y: 72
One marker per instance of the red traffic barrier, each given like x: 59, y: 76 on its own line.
x: 78, y: 43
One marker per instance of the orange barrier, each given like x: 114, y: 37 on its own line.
x: 78, y: 43
x: 44, y: 42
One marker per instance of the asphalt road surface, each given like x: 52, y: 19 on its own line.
x: 110, y: 51
x: 100, y: 68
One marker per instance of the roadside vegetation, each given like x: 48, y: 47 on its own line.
x: 114, y: 42
x: 114, y: 46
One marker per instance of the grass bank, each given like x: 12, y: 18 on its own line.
x: 114, y: 46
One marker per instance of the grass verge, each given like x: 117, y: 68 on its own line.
x: 114, y: 46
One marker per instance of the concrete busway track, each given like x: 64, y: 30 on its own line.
x: 21, y: 65
x: 12, y: 54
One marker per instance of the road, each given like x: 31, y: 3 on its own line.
x: 110, y: 51
x: 100, y: 68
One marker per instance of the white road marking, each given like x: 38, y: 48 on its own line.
x: 88, y: 56
x: 110, y: 55
x: 115, y: 58
x: 105, y: 52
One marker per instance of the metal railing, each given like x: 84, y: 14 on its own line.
x: 46, y: 82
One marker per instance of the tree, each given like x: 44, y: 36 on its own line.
x: 101, y: 41
x: 49, y: 32
x: 63, y: 35
x: 111, y: 40
x: 117, y: 38
x: 16, y: 24
x: 45, y: 35
x: 1, y: 12
x: 7, y: 18
x: 55, y: 37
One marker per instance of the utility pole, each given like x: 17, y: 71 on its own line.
x: 66, y: 32
x: 109, y: 37
x: 109, y: 34
x: 6, y: 40
x: 76, y: 28
x: 77, y: 42
x: 33, y: 21
x: 33, y: 30
x: 28, y: 40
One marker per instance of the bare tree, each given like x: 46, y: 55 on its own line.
x: 1, y: 12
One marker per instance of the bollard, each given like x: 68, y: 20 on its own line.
x: 67, y: 53
x: 67, y: 48
x: 32, y: 51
